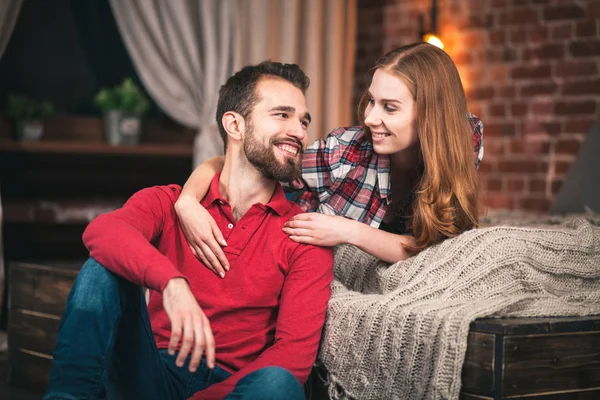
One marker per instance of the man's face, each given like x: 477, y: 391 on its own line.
x: 275, y: 136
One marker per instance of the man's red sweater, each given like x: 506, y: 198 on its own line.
x: 269, y: 309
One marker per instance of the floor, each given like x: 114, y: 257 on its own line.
x: 8, y: 392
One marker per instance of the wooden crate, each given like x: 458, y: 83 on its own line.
x: 533, y: 358
x: 37, y: 297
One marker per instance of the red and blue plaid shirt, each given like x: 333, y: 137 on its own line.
x: 342, y: 175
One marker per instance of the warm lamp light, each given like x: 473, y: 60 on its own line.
x: 434, y: 40
x: 430, y: 35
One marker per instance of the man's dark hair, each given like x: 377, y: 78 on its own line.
x: 238, y: 93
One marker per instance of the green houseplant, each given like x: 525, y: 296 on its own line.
x: 123, y: 108
x: 28, y: 115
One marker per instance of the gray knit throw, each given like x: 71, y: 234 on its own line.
x: 400, y: 331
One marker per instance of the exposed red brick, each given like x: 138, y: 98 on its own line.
x: 538, y: 89
x: 585, y: 48
x: 506, y: 92
x: 499, y: 3
x: 575, y: 107
x: 515, y: 185
x: 518, y: 35
x: 543, y: 108
x: 567, y: 147
x: 535, y: 204
x: 562, y: 167
x: 532, y: 72
x: 537, y: 186
x: 479, y: 21
x: 473, y: 40
x: 591, y: 86
x: 519, y: 17
x: 562, y: 31
x: 577, y: 68
x: 506, y: 129
x: 551, y: 128
x: 498, y: 73
x: 538, y: 34
x: 481, y: 93
x: 463, y: 58
x: 593, y: 10
x: 494, y: 185
x: 527, y: 166
x: 586, y: 28
x: 499, y: 201
x: 487, y: 165
x: 545, y: 52
x: 579, y: 125
x: 497, y: 110
x: 556, y: 185
x: 518, y: 109
x: 563, y: 12
x: 498, y: 38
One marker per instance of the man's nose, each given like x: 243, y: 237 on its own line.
x: 297, y: 131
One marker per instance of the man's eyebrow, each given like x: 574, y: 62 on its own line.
x: 291, y: 110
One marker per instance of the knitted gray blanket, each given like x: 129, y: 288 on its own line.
x: 400, y: 331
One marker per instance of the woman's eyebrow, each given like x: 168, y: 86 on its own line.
x: 387, y: 100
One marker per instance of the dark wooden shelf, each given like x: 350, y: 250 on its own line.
x: 82, y: 147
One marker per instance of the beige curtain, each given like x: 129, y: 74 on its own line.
x: 318, y: 35
x: 9, y: 12
x: 183, y: 51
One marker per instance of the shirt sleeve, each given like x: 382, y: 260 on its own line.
x: 122, y: 240
x: 477, y: 127
x: 302, y: 309
x: 321, y: 163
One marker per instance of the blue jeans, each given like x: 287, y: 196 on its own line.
x: 105, y: 350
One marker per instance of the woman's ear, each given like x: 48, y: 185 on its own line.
x: 234, y: 125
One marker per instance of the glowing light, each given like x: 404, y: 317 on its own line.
x: 434, y: 40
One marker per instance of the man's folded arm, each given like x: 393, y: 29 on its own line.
x: 302, y: 309
x: 122, y: 240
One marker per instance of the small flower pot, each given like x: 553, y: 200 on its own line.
x: 122, y: 128
x: 29, y: 130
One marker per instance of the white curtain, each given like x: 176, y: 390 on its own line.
x: 183, y: 51
x: 9, y: 12
x: 318, y: 35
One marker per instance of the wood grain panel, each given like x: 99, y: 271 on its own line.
x: 32, y: 331
x: 549, y: 363
x: 43, y: 289
x: 478, y: 367
x: 28, y: 370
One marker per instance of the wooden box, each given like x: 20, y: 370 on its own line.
x: 37, y: 297
x: 533, y: 358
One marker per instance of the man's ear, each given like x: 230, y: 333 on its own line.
x: 234, y: 125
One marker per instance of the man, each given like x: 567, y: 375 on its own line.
x: 253, y: 333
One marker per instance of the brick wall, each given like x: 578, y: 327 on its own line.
x: 531, y: 71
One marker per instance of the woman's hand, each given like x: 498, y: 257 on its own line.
x: 319, y: 229
x: 202, y: 234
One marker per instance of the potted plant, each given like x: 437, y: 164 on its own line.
x: 123, y: 107
x: 28, y: 115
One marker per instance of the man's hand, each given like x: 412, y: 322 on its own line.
x: 202, y: 234
x: 188, y: 325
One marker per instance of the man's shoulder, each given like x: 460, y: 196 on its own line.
x: 165, y: 195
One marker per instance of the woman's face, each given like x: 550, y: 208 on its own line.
x: 390, y: 114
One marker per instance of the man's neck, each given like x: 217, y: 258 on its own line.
x: 242, y: 185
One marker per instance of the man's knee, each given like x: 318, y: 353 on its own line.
x: 92, y: 285
x: 275, y: 383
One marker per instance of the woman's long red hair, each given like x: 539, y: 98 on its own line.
x: 446, y: 199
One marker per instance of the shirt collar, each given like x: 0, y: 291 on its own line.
x: 278, y: 203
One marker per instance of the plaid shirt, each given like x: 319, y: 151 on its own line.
x: 342, y: 175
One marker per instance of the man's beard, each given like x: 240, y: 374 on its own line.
x: 263, y: 158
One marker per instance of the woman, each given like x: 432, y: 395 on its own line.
x: 401, y: 182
